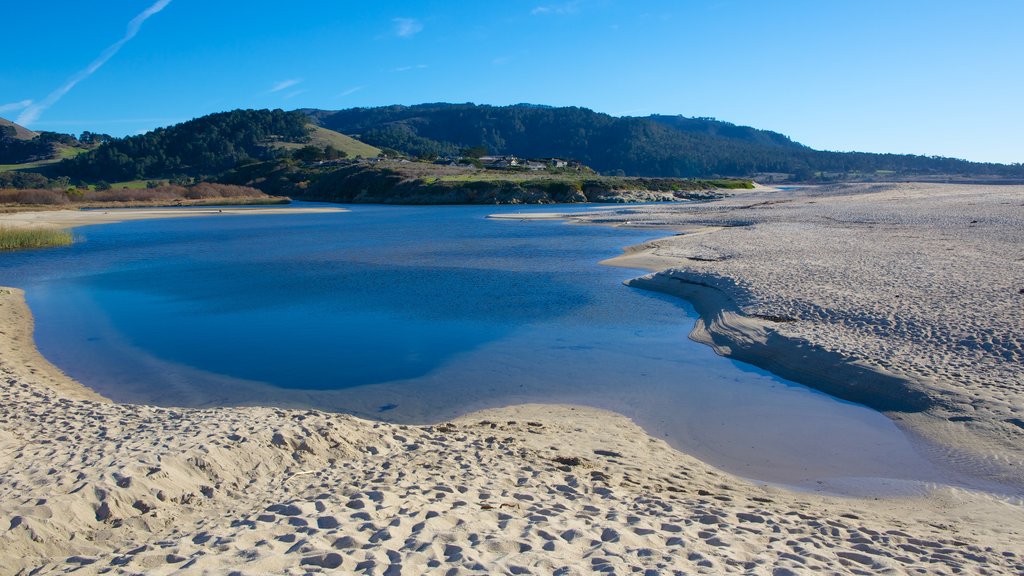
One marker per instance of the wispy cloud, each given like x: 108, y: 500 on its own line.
x: 350, y: 91
x: 105, y: 121
x: 294, y: 93
x: 33, y: 111
x: 557, y: 9
x: 285, y: 84
x: 407, y: 68
x: 14, y: 106
x: 407, y: 27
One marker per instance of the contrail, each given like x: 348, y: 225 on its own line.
x: 33, y: 111
x: 15, y: 106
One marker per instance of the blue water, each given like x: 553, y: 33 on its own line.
x: 420, y: 314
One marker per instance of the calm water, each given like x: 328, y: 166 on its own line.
x: 420, y: 314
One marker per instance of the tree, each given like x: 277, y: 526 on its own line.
x: 475, y: 152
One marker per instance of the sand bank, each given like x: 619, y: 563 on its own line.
x: 73, y: 218
x: 97, y: 487
x: 528, y: 216
x: 907, y: 298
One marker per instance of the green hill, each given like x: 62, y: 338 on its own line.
x: 322, y: 137
x: 673, y: 146
x: 23, y: 149
x: 208, y: 146
x: 201, y: 147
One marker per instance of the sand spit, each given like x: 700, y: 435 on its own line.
x: 73, y: 218
x: 905, y: 297
x: 95, y: 487
x: 528, y: 216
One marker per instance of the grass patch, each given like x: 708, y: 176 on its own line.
x: 323, y: 137
x: 27, y: 238
x: 63, y: 152
x: 732, y: 184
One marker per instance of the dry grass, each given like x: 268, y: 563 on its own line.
x: 198, y: 194
x: 26, y: 238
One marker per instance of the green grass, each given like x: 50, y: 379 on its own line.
x: 732, y: 184
x: 26, y: 238
x: 63, y: 152
x: 323, y: 137
x: 135, y: 184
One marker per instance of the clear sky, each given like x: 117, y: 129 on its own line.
x: 932, y: 77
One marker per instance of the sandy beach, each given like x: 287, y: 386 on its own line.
x: 74, y: 218
x: 91, y: 486
x: 97, y: 487
x: 904, y: 297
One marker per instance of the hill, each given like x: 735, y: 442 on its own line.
x: 21, y: 148
x: 198, y: 148
x: 322, y: 138
x: 281, y: 153
x: 671, y: 146
x: 399, y: 181
x: 16, y: 131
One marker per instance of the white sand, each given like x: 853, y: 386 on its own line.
x: 97, y: 487
x: 527, y: 216
x: 906, y: 297
x: 73, y: 218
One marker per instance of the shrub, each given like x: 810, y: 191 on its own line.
x: 33, y: 196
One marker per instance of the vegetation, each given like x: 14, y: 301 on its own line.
x: 403, y: 182
x: 434, y: 153
x: 323, y: 138
x: 163, y: 195
x: 205, y: 146
x: 21, y: 148
x: 670, y: 146
x: 25, y: 238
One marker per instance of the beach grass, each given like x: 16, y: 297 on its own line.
x: 26, y: 238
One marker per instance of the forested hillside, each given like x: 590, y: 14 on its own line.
x: 650, y: 146
x: 205, y: 146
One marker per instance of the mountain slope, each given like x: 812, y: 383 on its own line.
x: 200, y: 147
x: 16, y: 131
x: 322, y: 137
x: 672, y: 146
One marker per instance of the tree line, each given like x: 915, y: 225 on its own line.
x: 672, y: 146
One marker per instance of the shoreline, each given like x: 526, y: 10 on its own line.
x: 721, y: 325
x: 89, y: 217
x: 724, y: 328
x: 89, y: 486
x: 929, y: 414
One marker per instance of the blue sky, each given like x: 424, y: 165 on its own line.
x: 927, y: 77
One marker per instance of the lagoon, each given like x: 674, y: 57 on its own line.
x: 421, y: 314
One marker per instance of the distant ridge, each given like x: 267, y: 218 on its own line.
x: 656, y: 145
x: 20, y: 132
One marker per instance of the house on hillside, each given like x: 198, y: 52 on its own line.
x: 499, y: 161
